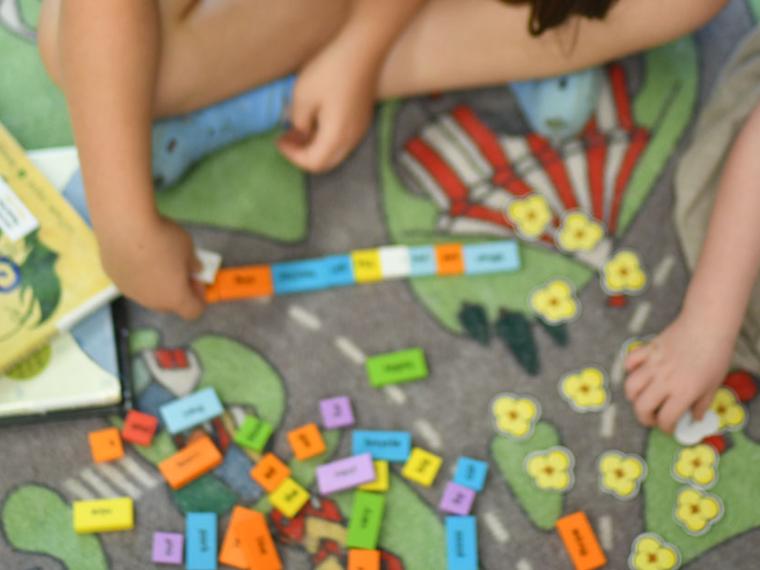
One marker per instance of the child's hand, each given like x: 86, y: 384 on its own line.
x: 679, y: 370
x: 151, y: 262
x: 332, y: 108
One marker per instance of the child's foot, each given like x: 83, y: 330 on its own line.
x: 180, y: 142
x: 679, y: 370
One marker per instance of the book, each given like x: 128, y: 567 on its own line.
x: 90, y: 358
x: 50, y: 271
x: 59, y: 376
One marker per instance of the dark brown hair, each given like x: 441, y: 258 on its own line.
x: 547, y: 14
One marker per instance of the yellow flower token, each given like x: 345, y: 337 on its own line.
x: 552, y: 469
x: 696, y: 511
x: 515, y: 416
x: 585, y: 390
x: 555, y: 302
x: 730, y: 412
x: 697, y: 465
x: 530, y: 215
x: 623, y: 274
x: 579, y: 233
x: 620, y: 475
x: 651, y: 552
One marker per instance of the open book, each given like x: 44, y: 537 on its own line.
x: 79, y: 369
x: 50, y: 272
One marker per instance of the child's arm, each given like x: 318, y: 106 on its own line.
x: 336, y: 91
x: 685, y: 364
x: 109, y: 54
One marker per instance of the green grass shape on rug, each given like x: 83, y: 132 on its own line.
x: 248, y: 187
x: 542, y: 507
x: 37, y: 520
x: 143, y: 339
x: 31, y: 106
x: 737, y: 486
x: 754, y: 6
x: 240, y: 376
x: 411, y: 529
x: 665, y: 103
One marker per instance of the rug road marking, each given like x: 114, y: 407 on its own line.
x: 350, y: 350
x: 396, y: 395
x: 618, y: 368
x: 118, y: 480
x: 138, y: 473
x: 607, y: 427
x: 498, y: 530
x: 640, y: 317
x: 429, y: 433
x: 94, y: 481
x: 663, y: 270
x: 304, y: 318
x: 76, y: 490
x: 605, y: 531
x: 523, y: 564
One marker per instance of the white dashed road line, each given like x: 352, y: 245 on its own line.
x: 396, y: 395
x: 304, y: 318
x: 640, y: 317
x: 118, y: 480
x: 350, y: 350
x: 607, y: 427
x: 523, y: 564
x: 76, y: 490
x: 605, y: 532
x: 663, y: 270
x: 618, y: 368
x: 498, y: 530
x: 93, y: 480
x: 428, y: 433
x: 138, y: 473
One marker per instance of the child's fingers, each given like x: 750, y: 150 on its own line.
x: 637, y: 356
x: 648, y: 402
x: 195, y: 264
x: 670, y: 412
x: 190, y: 306
x: 636, y: 382
x: 319, y: 154
x: 702, y: 405
x: 303, y: 116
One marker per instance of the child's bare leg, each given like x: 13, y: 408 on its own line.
x: 214, y: 49
x: 685, y: 364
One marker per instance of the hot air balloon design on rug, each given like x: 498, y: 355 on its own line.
x: 566, y: 195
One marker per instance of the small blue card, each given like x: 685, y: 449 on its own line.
x: 392, y: 446
x: 190, y: 411
x: 201, y: 541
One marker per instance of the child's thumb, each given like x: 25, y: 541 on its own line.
x: 702, y: 405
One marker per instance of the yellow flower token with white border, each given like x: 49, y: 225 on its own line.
x: 697, y: 511
x: 552, y: 469
x: 697, y: 465
x: 585, y: 390
x: 650, y: 552
x: 621, y: 474
x: 514, y: 415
